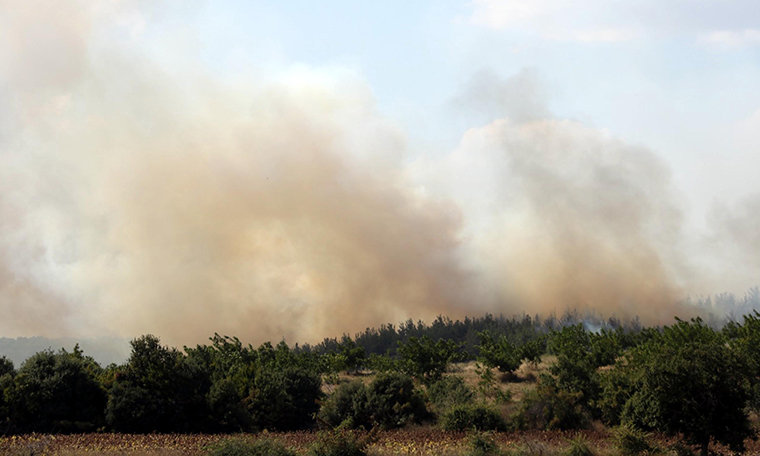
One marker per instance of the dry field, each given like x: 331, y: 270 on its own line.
x: 415, y: 441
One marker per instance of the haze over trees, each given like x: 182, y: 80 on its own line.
x: 687, y: 379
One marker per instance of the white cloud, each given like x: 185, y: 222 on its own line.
x: 605, y: 35
x: 499, y: 14
x: 556, y: 20
x: 731, y: 38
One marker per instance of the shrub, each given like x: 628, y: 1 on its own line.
x: 498, y: 352
x: 55, y: 392
x: 427, y: 360
x: 482, y: 444
x: 449, y: 391
x: 687, y: 381
x: 6, y: 366
x: 348, y: 404
x: 394, y: 401
x: 228, y: 414
x: 548, y: 407
x: 579, y: 447
x: 285, y: 400
x: 631, y: 441
x: 241, y: 447
x: 469, y: 417
x: 340, y: 442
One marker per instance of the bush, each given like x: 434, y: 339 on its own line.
x: 340, y: 442
x: 348, y: 405
x: 55, y: 392
x: 687, y: 381
x: 469, y: 417
x: 241, y: 447
x: 448, y: 392
x: 427, y: 360
x: 394, y: 401
x: 285, y: 400
x: 579, y: 447
x: 228, y: 414
x: 631, y: 441
x: 548, y: 407
x: 482, y: 444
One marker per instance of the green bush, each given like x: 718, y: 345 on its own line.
x: 448, y: 392
x: 426, y: 360
x: 55, y: 392
x: 482, y: 444
x: 349, y: 405
x: 687, y: 381
x: 339, y: 442
x: 285, y: 399
x: 473, y: 416
x: 548, y: 407
x: 242, y: 447
x: 631, y: 441
x: 579, y: 447
x: 228, y: 414
x: 394, y: 401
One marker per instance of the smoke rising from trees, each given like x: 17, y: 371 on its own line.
x: 138, y: 196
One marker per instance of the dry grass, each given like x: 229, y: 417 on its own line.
x: 420, y: 441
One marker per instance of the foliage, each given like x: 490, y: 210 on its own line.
x: 348, y: 405
x: 340, y: 442
x: 473, y: 417
x: 242, y: 447
x: 382, y: 363
x: 744, y: 339
x: 227, y: 411
x: 348, y: 356
x: 286, y: 399
x: 688, y: 381
x: 56, y: 392
x: 427, y: 360
x: 394, y: 401
x: 482, y: 444
x: 488, y: 387
x: 632, y: 442
x: 579, y: 447
x: 158, y: 390
x: 549, y: 407
x: 6, y: 366
x: 449, y: 391
x: 579, y: 355
x: 499, y: 352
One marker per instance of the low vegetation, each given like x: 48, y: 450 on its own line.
x: 688, y: 381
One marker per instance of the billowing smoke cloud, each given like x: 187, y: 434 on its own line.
x: 566, y: 217
x: 263, y: 210
x: 135, y: 199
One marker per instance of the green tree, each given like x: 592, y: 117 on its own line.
x: 285, y: 399
x: 6, y: 366
x: 498, y: 352
x: 56, y: 392
x: 393, y: 401
x: 158, y: 390
x: 745, y: 340
x: 427, y: 360
x: 686, y: 381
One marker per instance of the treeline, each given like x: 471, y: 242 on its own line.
x: 517, y: 329
x: 687, y: 379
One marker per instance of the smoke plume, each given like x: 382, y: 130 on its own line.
x: 137, y: 197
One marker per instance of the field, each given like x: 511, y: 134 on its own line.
x: 415, y: 441
x: 427, y: 440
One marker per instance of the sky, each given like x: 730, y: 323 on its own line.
x: 302, y: 169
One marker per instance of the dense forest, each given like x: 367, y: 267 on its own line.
x: 690, y: 379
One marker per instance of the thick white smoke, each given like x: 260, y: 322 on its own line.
x: 138, y: 198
